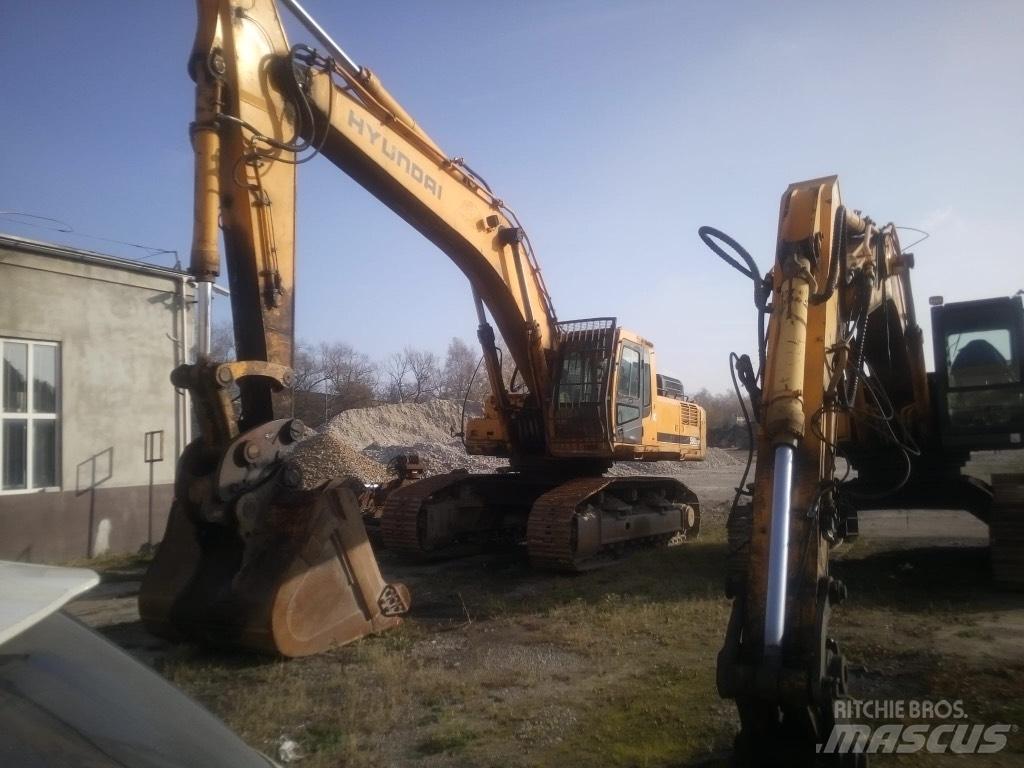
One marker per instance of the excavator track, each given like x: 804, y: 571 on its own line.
x: 551, y: 532
x: 568, y: 525
x: 556, y: 538
x: 400, y: 521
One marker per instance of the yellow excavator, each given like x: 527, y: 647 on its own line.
x: 253, y: 558
x: 841, y: 386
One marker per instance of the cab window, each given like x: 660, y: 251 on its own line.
x: 983, y: 378
x: 581, y: 379
x: 627, y: 405
x: 645, y: 383
x: 980, y: 358
x: 629, y: 373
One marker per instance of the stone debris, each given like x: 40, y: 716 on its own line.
x: 361, y: 442
x: 399, y: 424
x: 324, y: 457
x: 439, y: 457
x: 717, y: 458
x: 383, y: 432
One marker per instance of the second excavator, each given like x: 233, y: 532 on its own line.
x: 840, y: 387
x: 250, y: 558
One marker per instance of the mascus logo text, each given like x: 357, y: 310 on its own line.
x: 395, y: 155
x: 900, y: 738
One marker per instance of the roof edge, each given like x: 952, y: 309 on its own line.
x: 78, y: 254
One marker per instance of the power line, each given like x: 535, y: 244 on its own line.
x: 56, y: 225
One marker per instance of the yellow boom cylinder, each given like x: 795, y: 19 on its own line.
x: 205, y: 257
x: 785, y: 410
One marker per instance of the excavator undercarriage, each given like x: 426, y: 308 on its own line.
x: 567, y: 525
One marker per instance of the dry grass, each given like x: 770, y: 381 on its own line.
x: 925, y: 623
x: 610, y: 668
x: 113, y: 562
x: 501, y: 666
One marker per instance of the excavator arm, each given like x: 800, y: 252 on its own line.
x: 251, y: 556
x: 838, y: 288
x: 842, y: 386
x: 364, y: 132
x: 243, y: 137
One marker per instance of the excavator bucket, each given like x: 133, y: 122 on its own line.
x: 293, y: 576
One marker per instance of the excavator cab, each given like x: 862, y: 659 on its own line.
x: 607, y: 392
x: 579, y: 408
x: 979, y: 372
x: 602, y: 387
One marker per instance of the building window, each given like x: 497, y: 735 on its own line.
x: 28, y: 415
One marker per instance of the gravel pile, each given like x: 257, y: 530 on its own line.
x: 385, y: 431
x: 717, y: 458
x: 324, y: 457
x: 360, y: 442
x: 440, y: 457
x: 399, y: 424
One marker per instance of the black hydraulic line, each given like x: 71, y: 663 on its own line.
x: 858, y: 363
x: 741, y: 488
x: 761, y: 289
x: 461, y: 162
x: 845, y: 487
x: 710, y: 234
x: 838, y: 252
x: 469, y: 388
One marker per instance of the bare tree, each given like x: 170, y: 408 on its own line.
x: 726, y: 426
x: 413, y: 376
x: 425, y: 373
x: 722, y: 409
x: 463, y: 374
x: 397, y: 371
x: 350, y: 376
x: 309, y: 396
x: 331, y: 378
x: 308, y: 373
x: 222, y: 341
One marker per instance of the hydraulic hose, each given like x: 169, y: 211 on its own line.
x: 749, y: 269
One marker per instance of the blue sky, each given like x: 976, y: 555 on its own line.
x: 614, y: 129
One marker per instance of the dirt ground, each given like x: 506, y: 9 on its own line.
x: 501, y: 666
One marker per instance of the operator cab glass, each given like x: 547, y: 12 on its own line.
x: 627, y: 399
x: 581, y: 380
x: 632, y: 393
x: 981, y: 358
x: 979, y: 361
x: 579, y: 415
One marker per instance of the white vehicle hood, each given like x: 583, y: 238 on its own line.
x: 29, y: 593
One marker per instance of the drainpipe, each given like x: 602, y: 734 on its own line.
x: 183, y: 423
